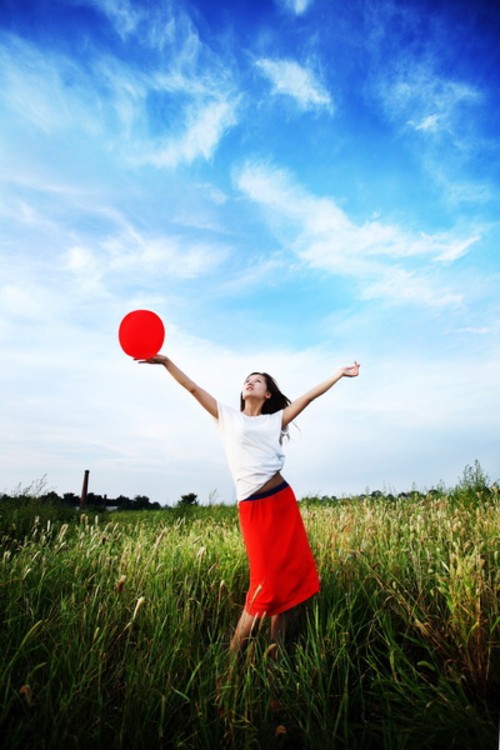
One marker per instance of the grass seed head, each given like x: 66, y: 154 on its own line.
x: 27, y: 694
x: 139, y: 604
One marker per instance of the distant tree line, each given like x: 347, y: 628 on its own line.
x: 473, y: 484
x: 95, y: 501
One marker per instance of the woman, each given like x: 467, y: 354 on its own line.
x: 282, y: 568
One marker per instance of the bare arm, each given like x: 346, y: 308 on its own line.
x: 205, y: 399
x: 299, y: 404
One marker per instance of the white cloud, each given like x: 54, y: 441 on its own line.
x: 458, y: 191
x: 416, y: 97
x: 442, y: 110
x: 204, y: 128
x: 154, y: 23
x: 161, y: 256
x: 207, y: 109
x: 46, y: 90
x: 298, y: 7
x: 373, y: 253
x: 124, y: 15
x: 130, y: 255
x: 111, y: 101
x: 456, y: 248
x: 264, y: 272
x: 475, y: 330
x: 22, y: 301
x: 429, y: 123
x: 401, y: 286
x: 86, y: 268
x: 288, y: 78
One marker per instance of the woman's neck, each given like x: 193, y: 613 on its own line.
x: 252, y: 409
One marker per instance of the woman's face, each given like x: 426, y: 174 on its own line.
x: 255, y: 386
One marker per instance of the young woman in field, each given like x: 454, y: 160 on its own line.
x: 282, y: 568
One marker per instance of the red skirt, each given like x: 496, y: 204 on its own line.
x: 282, y: 567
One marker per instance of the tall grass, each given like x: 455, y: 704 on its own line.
x: 115, y: 633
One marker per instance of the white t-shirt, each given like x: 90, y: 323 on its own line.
x: 253, y: 448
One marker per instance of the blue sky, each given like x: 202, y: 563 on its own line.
x: 290, y: 185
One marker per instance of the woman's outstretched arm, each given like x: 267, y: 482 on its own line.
x: 205, y: 399
x: 299, y: 404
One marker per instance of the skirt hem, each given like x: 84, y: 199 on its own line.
x: 283, y: 608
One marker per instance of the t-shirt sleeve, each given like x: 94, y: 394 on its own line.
x: 278, y: 417
x: 224, y: 416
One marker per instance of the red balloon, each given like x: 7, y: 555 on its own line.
x: 141, y: 334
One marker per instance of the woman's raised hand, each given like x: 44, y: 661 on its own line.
x: 158, y: 360
x: 352, y: 371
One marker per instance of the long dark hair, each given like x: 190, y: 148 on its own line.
x: 278, y: 399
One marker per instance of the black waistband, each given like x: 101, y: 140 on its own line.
x: 268, y: 493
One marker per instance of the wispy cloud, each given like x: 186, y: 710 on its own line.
x: 385, y: 260
x: 418, y: 98
x: 126, y: 257
x: 203, y: 128
x: 23, y: 301
x: 298, y: 7
x: 401, y: 286
x: 154, y: 23
x: 124, y: 16
x: 430, y: 123
x: 431, y: 102
x: 288, y: 78
x: 47, y: 90
x: 458, y: 188
x: 166, y: 256
x: 173, y: 111
x: 85, y: 266
x: 411, y: 68
x: 454, y: 248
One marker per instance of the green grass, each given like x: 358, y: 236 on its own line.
x: 115, y: 632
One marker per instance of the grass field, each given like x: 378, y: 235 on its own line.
x: 115, y: 631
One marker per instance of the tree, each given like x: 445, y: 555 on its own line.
x: 123, y: 502
x: 141, y: 502
x: 474, y: 478
x: 188, y: 501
